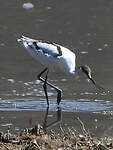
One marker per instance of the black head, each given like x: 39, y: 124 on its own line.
x: 87, y: 71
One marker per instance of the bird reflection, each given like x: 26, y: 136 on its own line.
x: 57, y: 121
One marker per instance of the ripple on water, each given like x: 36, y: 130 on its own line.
x: 28, y: 5
x: 66, y: 105
x: 11, y: 81
x: 84, y: 52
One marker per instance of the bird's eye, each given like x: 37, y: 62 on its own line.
x: 80, y: 68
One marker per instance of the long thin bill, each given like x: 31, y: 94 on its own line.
x: 98, y: 86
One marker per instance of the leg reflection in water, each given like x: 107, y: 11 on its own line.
x: 57, y: 121
x: 42, y: 129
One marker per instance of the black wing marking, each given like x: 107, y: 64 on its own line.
x: 58, y: 47
x: 36, y: 46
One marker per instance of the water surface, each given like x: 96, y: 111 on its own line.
x: 83, y: 26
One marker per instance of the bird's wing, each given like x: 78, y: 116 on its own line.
x: 48, y: 48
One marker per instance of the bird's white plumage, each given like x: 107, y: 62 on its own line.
x: 51, y: 54
x: 54, y: 56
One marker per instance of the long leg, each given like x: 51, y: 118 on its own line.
x: 45, y: 88
x: 59, y: 96
x: 45, y: 82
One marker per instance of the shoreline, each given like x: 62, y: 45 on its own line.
x: 99, y: 124
x: 36, y: 138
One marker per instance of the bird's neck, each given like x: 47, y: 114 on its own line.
x: 74, y: 73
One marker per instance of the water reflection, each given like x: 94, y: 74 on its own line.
x: 53, y: 123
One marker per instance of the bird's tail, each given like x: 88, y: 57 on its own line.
x: 25, y: 39
x: 27, y: 43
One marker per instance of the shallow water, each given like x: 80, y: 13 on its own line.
x: 83, y: 26
x: 66, y: 105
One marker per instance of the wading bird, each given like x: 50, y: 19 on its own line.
x: 52, y: 56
